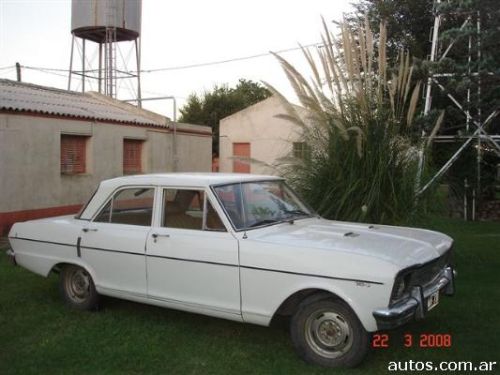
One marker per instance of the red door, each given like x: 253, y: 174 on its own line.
x: 241, y: 150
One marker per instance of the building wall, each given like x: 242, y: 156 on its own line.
x: 194, y: 151
x: 31, y: 183
x: 270, y: 138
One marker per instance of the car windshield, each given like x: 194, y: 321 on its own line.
x: 255, y: 204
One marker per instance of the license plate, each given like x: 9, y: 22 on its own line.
x: 433, y: 300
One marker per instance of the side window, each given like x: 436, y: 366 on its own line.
x: 187, y: 209
x: 183, y: 208
x: 129, y: 206
x: 105, y: 214
x: 73, y: 154
x: 132, y: 156
x: 301, y: 150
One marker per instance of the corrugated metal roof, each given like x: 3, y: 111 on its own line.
x: 26, y: 97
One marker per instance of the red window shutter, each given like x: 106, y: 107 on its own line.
x: 241, y: 150
x: 132, y: 156
x: 73, y: 154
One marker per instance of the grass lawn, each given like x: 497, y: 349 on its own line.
x: 38, y: 334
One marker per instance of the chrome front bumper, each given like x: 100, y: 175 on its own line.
x: 415, y: 307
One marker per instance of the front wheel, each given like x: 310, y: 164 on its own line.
x: 77, y: 288
x: 328, y: 333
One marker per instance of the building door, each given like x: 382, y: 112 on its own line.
x: 241, y: 150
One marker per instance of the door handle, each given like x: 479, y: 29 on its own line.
x: 156, y: 235
x: 86, y: 230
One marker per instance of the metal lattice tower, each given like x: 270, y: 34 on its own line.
x: 475, y: 126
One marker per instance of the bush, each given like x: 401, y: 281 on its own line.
x: 364, y: 152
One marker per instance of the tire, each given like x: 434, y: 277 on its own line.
x: 328, y: 333
x: 77, y: 288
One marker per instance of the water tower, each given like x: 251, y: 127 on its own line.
x: 107, y: 24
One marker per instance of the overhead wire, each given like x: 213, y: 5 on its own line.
x: 196, y: 65
x: 7, y: 72
x: 45, y: 70
x: 266, y: 54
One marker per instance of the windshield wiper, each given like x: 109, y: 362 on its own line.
x: 297, y: 212
x: 262, y: 222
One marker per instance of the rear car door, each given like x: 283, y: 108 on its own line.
x: 114, y: 241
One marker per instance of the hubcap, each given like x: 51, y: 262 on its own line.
x: 328, y: 333
x: 78, y: 285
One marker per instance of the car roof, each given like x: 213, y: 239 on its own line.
x: 185, y: 179
x: 193, y: 180
x: 188, y: 180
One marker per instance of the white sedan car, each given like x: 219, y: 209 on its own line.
x: 245, y: 248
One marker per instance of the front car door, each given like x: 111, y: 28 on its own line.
x: 192, y: 260
x: 115, y: 240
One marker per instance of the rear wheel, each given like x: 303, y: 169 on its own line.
x: 328, y: 333
x: 77, y: 288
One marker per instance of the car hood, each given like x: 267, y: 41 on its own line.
x: 400, y: 246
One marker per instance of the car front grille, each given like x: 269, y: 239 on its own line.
x: 428, y: 272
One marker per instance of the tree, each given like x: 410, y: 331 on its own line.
x: 409, y: 25
x: 209, y: 108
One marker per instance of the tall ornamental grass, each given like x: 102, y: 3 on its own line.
x: 363, y: 150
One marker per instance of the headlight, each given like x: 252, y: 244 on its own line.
x: 400, y: 287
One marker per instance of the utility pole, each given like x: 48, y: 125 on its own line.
x: 18, y: 71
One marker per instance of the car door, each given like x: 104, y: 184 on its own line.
x: 192, y: 260
x: 114, y: 241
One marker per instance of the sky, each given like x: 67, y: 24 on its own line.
x: 37, y: 33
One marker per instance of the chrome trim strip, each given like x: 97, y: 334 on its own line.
x: 312, y: 275
x: 208, y: 262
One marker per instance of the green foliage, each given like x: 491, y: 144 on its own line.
x: 484, y: 64
x: 360, y: 127
x: 222, y: 101
x: 479, y: 78
x: 409, y: 25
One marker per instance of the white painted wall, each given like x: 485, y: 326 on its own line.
x: 270, y: 138
x: 30, y: 176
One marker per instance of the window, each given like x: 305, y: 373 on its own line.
x: 301, y: 150
x: 73, y: 154
x: 229, y: 196
x: 189, y: 209
x: 241, y: 150
x: 129, y: 206
x: 254, y: 204
x: 132, y: 156
x: 213, y: 221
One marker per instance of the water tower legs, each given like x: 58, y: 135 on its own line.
x: 105, y: 74
x: 71, y: 61
x: 138, y: 64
